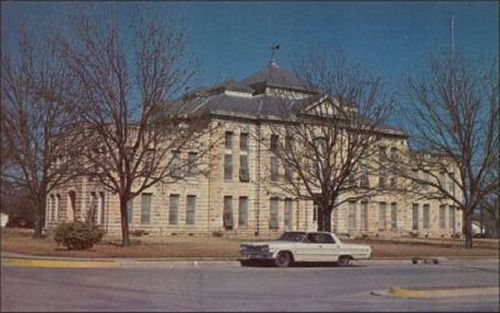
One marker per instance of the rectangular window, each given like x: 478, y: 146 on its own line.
x: 149, y: 159
x: 315, y: 212
x: 58, y: 210
x: 243, y: 142
x: 92, y: 209
x: 381, y: 179
x: 442, y: 179
x: 228, y: 156
x: 451, y: 216
x: 228, y: 212
x: 364, y: 182
x: 273, y: 213
x: 173, y: 209
x: 130, y: 210
x: 451, y: 184
x: 415, y: 215
x: 351, y: 178
x: 274, y: 143
x: 274, y: 168
x: 52, y: 206
x: 426, y: 178
x: 394, y: 215
x: 415, y: 176
x: 394, y: 154
x: 442, y: 216
x: 228, y: 141
x: 288, y: 172
x: 382, y: 215
x: 288, y: 143
x: 426, y: 216
x: 393, y: 182
x: 146, y: 208
x: 244, y: 171
x: 382, y: 155
x: 352, y: 215
x: 382, y: 170
x: 394, y: 175
x: 192, y: 164
x: 100, y: 210
x: 243, y: 211
x: 288, y: 214
x: 176, y: 168
x: 190, y: 209
x: 364, y: 215
x: 228, y: 166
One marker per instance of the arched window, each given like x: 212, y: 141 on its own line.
x: 71, y: 208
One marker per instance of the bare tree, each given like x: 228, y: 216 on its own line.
x: 32, y: 117
x: 454, y: 113
x: 124, y: 99
x: 326, y: 141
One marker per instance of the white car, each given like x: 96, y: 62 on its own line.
x: 299, y: 246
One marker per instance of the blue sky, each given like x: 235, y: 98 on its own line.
x: 232, y: 39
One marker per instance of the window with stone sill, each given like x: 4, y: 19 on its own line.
x: 227, y: 217
x: 244, y: 170
x: 243, y: 211
x: 192, y: 170
x: 273, y: 213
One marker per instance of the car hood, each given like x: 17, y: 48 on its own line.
x: 263, y: 243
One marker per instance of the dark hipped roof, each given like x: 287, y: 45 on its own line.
x: 230, y: 84
x: 254, y: 102
x: 261, y: 105
x: 273, y: 75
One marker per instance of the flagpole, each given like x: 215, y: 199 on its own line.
x: 452, y: 36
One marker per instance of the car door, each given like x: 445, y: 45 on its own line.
x: 310, y: 249
x: 328, y: 249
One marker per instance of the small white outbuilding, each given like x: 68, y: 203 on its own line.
x: 4, y: 219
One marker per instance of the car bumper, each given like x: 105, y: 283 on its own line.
x: 244, y: 257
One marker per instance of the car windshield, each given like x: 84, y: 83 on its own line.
x: 292, y: 236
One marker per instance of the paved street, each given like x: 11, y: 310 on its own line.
x: 225, y: 286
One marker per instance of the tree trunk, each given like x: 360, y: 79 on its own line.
x: 324, y: 220
x: 124, y: 221
x: 39, y: 222
x: 467, y: 229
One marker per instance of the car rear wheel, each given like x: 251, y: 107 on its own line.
x: 283, y: 259
x: 344, y: 261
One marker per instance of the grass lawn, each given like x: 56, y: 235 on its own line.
x: 21, y: 241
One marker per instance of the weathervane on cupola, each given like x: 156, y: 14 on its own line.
x: 273, y: 48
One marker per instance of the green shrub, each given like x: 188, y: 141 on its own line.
x: 78, y: 235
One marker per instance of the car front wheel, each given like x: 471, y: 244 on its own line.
x: 283, y: 259
x: 247, y: 262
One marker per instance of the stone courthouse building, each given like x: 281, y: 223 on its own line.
x: 233, y: 198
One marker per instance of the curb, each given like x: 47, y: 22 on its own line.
x: 438, y: 292
x: 24, y: 262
